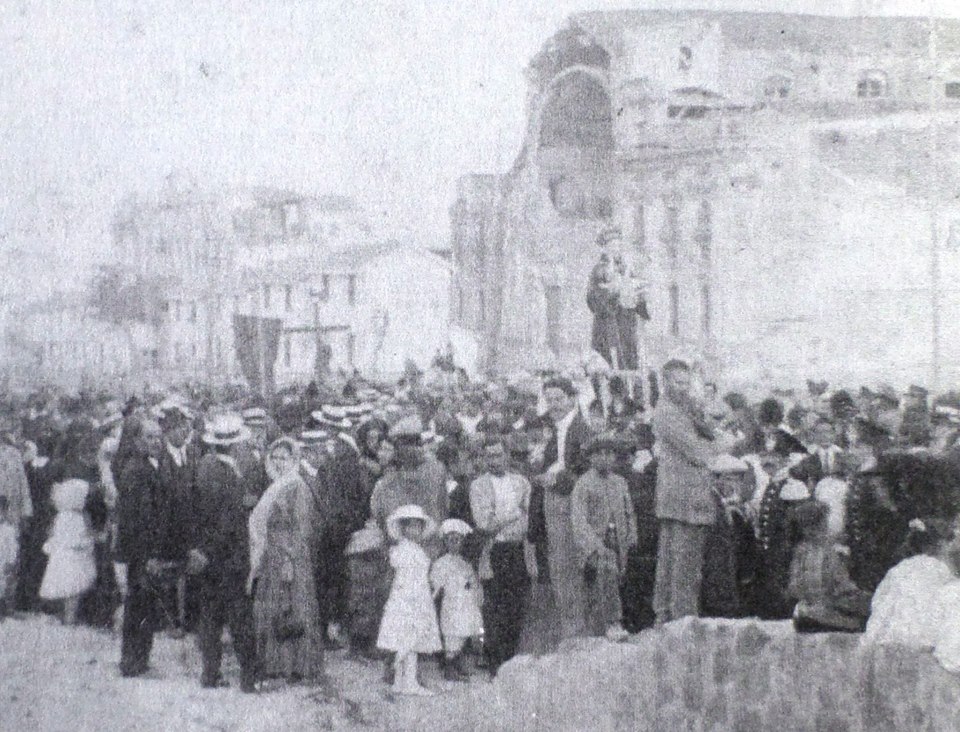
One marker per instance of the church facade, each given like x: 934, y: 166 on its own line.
x: 790, y: 184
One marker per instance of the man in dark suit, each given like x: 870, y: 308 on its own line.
x: 145, y: 542
x: 348, y: 503
x: 775, y: 437
x: 224, y: 543
x: 564, y: 461
x: 178, y: 473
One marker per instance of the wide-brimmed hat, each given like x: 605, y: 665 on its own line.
x: 404, y: 513
x: 455, y: 526
x: 226, y: 429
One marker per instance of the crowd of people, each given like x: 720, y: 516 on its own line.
x: 437, y: 517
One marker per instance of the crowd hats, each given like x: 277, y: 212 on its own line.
x: 314, y: 436
x: 408, y: 513
x: 334, y: 416
x: 455, y: 526
x: 226, y: 429
x: 605, y: 441
x: 254, y: 416
x: 408, y: 429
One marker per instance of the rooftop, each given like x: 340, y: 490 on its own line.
x: 775, y: 31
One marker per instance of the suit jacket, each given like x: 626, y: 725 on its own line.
x: 223, y: 534
x: 142, y: 513
x: 683, y: 477
x: 179, y: 484
x: 575, y: 458
x: 349, y: 499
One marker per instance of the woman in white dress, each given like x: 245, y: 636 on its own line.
x: 409, y: 624
x: 71, y: 568
x: 907, y: 608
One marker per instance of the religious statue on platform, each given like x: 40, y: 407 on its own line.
x: 616, y: 299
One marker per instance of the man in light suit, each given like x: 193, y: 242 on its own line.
x: 685, y: 506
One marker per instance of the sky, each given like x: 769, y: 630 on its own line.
x: 385, y: 100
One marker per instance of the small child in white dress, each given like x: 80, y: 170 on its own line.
x: 9, y: 550
x: 456, y: 583
x: 71, y: 568
x: 409, y: 624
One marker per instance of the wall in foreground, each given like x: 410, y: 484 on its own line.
x: 723, y: 676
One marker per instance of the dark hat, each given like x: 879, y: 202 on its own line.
x: 918, y: 392
x: 736, y: 401
x: 562, y: 383
x: 770, y: 412
x: 605, y: 441
x: 887, y: 396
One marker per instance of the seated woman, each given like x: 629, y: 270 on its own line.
x: 906, y: 608
x: 827, y: 599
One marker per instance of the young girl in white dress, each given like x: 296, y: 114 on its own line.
x: 456, y: 582
x: 409, y: 624
x: 71, y: 568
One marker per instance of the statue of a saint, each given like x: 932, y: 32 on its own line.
x: 616, y: 299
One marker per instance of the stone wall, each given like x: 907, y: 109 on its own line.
x: 722, y: 676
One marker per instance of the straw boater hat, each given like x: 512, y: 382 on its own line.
x: 332, y: 416
x: 455, y: 526
x: 226, y: 429
x: 254, y: 416
x: 411, y: 511
x: 314, y: 437
x: 794, y: 490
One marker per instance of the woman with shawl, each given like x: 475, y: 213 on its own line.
x: 286, y: 614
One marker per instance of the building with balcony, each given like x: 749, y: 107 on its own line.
x: 789, y: 182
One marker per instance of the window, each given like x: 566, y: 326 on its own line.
x: 193, y: 312
x: 193, y: 350
x: 872, y: 85
x: 952, y: 89
x: 704, y: 231
x: 674, y: 310
x: 292, y: 219
x: 286, y: 351
x: 707, y: 309
x: 670, y: 232
x: 288, y: 298
x: 324, y: 294
x: 351, y: 345
x: 352, y: 289
x: 176, y: 310
x: 266, y: 297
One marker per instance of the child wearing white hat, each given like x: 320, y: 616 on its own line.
x: 409, y: 624
x: 456, y: 584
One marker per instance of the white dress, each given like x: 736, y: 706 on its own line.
x: 409, y: 622
x: 460, y: 615
x: 71, y: 569
x: 906, y: 608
